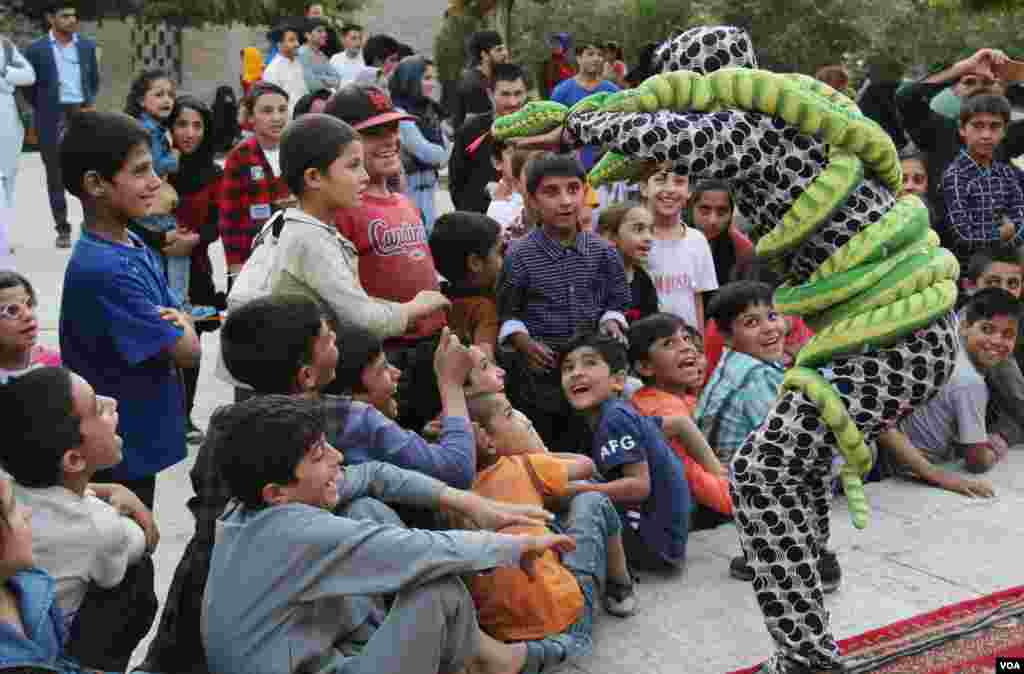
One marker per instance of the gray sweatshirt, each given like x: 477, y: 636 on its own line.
x: 289, y: 582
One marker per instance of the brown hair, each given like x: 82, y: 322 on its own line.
x: 836, y: 76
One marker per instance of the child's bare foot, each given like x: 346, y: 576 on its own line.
x: 495, y: 657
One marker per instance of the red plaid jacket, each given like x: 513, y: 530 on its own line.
x: 248, y: 192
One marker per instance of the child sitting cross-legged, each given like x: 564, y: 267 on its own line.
x: 644, y: 478
x: 282, y: 344
x: 305, y: 543
x: 60, y: 434
x: 630, y: 227
x: 467, y: 250
x: 555, y: 609
x: 952, y: 425
x: 663, y: 352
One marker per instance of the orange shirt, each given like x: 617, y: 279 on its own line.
x: 474, y: 318
x: 509, y: 605
x: 708, y: 489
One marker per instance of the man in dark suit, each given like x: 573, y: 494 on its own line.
x: 67, y: 79
x: 470, y: 167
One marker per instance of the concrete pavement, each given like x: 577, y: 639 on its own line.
x: 923, y: 548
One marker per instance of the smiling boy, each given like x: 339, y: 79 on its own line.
x: 555, y: 282
x: 952, y: 425
x: 395, y: 262
x: 643, y: 477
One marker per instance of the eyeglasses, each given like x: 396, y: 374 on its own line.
x: 12, y: 311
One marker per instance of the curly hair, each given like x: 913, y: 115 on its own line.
x: 140, y: 86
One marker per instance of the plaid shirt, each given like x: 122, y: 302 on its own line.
x: 553, y: 291
x: 248, y: 192
x: 736, y: 401
x: 977, y: 199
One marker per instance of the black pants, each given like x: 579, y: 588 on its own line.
x: 49, y: 150
x: 539, y: 396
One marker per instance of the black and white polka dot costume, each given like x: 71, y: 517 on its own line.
x: 783, y: 474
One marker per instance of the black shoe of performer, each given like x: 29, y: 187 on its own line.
x: 740, y: 570
x: 828, y: 569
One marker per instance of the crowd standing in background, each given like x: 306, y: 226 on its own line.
x: 538, y: 349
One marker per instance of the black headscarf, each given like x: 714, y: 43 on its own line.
x: 196, y: 170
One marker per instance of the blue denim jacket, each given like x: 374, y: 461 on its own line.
x: 164, y: 161
x: 43, y: 641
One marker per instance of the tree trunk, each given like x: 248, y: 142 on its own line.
x: 157, y: 45
x: 503, y: 20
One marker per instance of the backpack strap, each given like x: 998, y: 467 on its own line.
x: 272, y: 227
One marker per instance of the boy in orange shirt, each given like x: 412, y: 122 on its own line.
x: 663, y: 353
x: 553, y: 611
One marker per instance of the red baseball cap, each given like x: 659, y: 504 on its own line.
x: 363, y: 106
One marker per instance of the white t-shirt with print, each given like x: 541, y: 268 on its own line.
x: 681, y: 268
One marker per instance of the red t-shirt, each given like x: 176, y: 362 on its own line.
x: 394, y: 257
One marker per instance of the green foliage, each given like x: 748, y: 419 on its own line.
x: 200, y: 12
x: 450, y: 45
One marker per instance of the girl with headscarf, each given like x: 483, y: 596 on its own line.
x: 198, y: 183
x: 424, y: 147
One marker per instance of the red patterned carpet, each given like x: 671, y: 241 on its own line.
x: 936, y: 643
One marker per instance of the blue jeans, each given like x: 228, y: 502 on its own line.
x: 591, y: 519
x: 178, y: 268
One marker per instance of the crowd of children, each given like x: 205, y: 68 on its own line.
x: 458, y: 436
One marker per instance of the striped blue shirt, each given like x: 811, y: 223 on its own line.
x: 554, y: 291
x: 977, y: 198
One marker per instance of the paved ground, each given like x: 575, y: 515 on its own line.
x: 923, y: 549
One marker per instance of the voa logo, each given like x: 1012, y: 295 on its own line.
x: 613, y: 446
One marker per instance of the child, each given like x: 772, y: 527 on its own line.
x: 282, y: 344
x: 64, y: 433
x: 711, y: 209
x: 285, y: 69
x: 644, y: 477
x: 555, y: 282
x: 467, y: 249
x: 984, y: 198
x: 253, y: 187
x: 952, y: 425
x: 1001, y: 269
x: 587, y: 82
x: 915, y: 175
x: 365, y: 374
x: 745, y: 385
x: 680, y: 263
x: 664, y: 353
x: 746, y: 382
x: 289, y: 578
x: 395, y: 263
x: 33, y: 627
x: 516, y: 468
x: 19, y: 329
x: 322, y: 162
x: 120, y: 327
x: 151, y: 100
x: 506, y: 205
x: 630, y: 228
x: 316, y: 68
